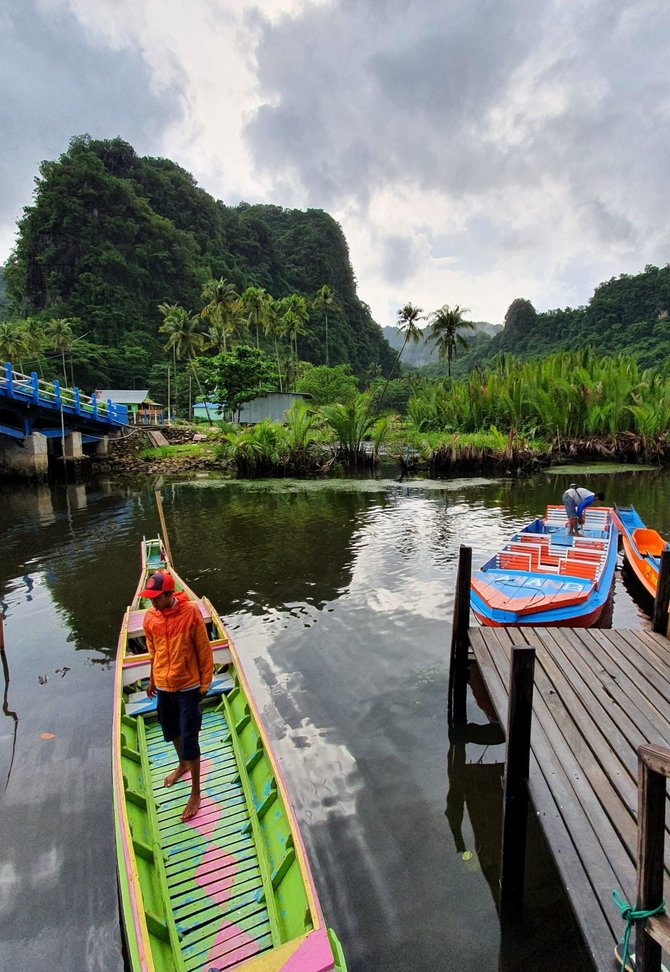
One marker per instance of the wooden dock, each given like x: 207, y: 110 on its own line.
x: 598, y: 696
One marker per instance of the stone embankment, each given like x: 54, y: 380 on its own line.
x: 125, y: 454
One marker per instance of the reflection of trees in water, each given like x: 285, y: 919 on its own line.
x: 303, y: 538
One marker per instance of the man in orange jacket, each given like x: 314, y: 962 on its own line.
x: 181, y: 673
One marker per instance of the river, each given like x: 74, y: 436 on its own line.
x: 339, y: 597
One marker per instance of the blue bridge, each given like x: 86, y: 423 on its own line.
x: 39, y: 419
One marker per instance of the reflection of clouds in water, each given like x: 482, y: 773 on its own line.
x: 46, y: 872
x: 9, y: 885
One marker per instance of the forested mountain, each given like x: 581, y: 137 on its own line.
x: 111, y: 235
x: 627, y: 313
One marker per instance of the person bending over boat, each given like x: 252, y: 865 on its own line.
x: 576, y: 501
x: 181, y: 673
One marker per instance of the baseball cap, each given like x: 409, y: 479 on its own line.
x: 158, y: 583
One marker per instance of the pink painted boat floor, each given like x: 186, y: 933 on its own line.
x: 214, y: 880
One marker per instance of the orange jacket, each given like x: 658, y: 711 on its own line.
x: 177, y: 640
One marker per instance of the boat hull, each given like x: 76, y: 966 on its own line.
x: 642, y: 547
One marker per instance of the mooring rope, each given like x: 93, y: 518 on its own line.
x: 631, y: 917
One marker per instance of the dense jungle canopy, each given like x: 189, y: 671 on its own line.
x: 110, y: 236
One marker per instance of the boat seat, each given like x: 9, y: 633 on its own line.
x: 139, y: 704
x: 578, y: 568
x: 514, y: 561
x: 648, y: 542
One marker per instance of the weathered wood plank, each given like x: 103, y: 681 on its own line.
x: 599, y: 695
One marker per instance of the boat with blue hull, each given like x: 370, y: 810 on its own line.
x: 642, y: 546
x: 545, y: 576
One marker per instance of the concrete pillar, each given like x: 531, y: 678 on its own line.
x: 25, y: 458
x: 102, y: 447
x: 73, y: 449
x: 76, y: 496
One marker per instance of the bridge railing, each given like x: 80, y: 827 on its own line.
x: 30, y: 388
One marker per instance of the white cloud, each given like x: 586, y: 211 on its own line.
x: 473, y: 152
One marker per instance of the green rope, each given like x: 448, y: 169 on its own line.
x: 630, y: 916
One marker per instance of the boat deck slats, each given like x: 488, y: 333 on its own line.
x: 212, y: 870
x: 598, y: 696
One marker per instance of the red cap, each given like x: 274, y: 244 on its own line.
x: 159, y: 583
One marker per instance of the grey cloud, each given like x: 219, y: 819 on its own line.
x: 361, y: 95
x: 56, y: 84
x: 400, y: 258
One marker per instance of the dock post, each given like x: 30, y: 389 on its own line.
x: 515, y: 794
x: 458, y: 662
x: 659, y: 622
x: 653, y: 769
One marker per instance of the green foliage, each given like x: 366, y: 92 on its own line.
x: 564, y: 396
x: 238, y: 377
x: 328, y: 385
x: 352, y: 424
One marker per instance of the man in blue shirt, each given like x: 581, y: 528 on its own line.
x: 576, y: 500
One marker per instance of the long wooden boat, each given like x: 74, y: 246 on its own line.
x: 231, y: 888
x: 545, y: 576
x: 642, y: 546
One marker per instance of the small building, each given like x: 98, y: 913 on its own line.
x: 141, y: 409
x: 272, y: 406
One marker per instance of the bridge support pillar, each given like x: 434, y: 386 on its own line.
x: 73, y: 449
x: 102, y: 447
x: 25, y: 459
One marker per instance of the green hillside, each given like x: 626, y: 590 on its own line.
x: 110, y: 236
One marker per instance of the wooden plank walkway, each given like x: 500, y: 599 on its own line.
x: 599, y: 694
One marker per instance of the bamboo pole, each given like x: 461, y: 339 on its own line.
x: 161, y: 517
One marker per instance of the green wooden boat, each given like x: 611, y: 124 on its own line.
x: 231, y: 888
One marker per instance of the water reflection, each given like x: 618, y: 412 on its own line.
x: 340, y: 597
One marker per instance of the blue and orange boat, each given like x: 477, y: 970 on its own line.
x: 231, y: 888
x: 545, y: 576
x: 642, y: 546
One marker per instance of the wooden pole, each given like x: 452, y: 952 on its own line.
x: 458, y: 662
x: 652, y: 769
x: 164, y: 533
x: 659, y: 622
x: 515, y: 794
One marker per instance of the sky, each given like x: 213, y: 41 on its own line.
x: 473, y: 151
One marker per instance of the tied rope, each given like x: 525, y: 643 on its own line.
x: 631, y: 916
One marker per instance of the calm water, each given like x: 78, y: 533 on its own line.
x: 339, y: 596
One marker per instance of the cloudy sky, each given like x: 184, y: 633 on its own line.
x: 474, y: 151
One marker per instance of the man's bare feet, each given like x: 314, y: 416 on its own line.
x: 175, y: 775
x: 191, y: 807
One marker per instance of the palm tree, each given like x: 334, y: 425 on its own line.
x: 445, y: 324
x: 407, y: 318
x: 61, y: 337
x: 294, y: 315
x: 254, y: 304
x: 184, y: 337
x: 325, y: 301
x: 273, y: 326
x: 14, y: 341
x: 221, y: 310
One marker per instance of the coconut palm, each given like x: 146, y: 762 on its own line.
x: 254, y: 304
x: 221, y: 310
x: 273, y: 327
x: 445, y: 325
x: 14, y: 341
x: 60, y: 336
x: 184, y: 338
x: 294, y: 315
x: 407, y: 318
x: 325, y: 300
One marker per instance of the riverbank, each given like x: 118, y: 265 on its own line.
x: 200, y: 447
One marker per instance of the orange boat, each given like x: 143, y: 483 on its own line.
x: 642, y: 547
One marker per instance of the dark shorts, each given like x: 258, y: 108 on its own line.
x: 180, y: 716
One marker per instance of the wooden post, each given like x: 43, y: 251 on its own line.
x: 652, y: 935
x: 515, y: 794
x: 164, y: 533
x: 458, y: 662
x: 659, y: 622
